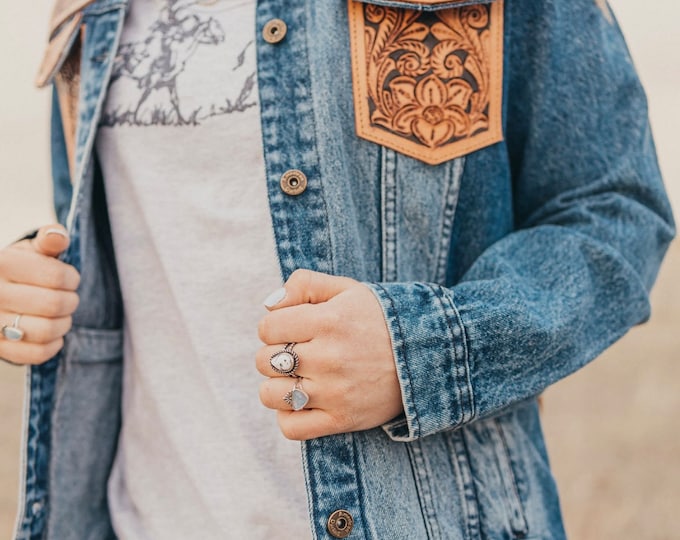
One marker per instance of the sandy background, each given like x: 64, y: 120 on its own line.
x: 613, y: 428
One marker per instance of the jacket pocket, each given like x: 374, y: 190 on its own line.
x: 427, y: 77
x: 85, y: 423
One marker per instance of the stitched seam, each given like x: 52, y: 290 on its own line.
x: 402, y: 348
x: 466, y: 360
x: 360, y: 497
x: 451, y: 203
x: 312, y: 115
x: 473, y: 512
x: 525, y: 527
x: 456, y: 376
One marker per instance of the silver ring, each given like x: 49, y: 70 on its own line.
x: 297, y: 398
x: 286, y: 361
x: 13, y: 332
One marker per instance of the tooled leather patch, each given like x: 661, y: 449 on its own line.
x: 428, y: 84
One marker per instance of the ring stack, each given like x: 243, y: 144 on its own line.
x: 286, y: 361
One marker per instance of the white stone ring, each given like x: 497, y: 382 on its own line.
x: 297, y: 398
x: 13, y: 332
x: 286, y: 361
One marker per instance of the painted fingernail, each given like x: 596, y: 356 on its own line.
x: 275, y: 297
x: 56, y: 231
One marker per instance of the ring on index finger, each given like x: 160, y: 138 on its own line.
x: 286, y: 361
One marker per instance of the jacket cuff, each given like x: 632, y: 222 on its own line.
x: 430, y: 351
x: 27, y: 236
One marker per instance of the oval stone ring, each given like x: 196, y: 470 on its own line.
x: 286, y: 361
x: 13, y: 332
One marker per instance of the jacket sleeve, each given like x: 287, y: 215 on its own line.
x: 592, y: 225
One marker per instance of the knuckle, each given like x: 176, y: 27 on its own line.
x: 264, y: 393
x: 343, y: 423
x: 55, y: 278
x: 292, y: 432
x: 262, y: 329
x: 54, y: 304
x: 329, y: 319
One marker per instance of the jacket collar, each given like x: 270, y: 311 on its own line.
x: 63, y: 10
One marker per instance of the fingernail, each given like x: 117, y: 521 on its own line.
x: 56, y: 231
x: 275, y: 297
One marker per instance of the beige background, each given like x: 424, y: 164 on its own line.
x: 613, y: 428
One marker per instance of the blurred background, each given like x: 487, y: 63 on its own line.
x: 613, y: 429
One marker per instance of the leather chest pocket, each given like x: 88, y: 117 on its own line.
x: 427, y: 77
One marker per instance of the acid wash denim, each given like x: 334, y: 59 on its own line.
x: 499, y: 273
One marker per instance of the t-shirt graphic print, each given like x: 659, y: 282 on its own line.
x: 163, y: 76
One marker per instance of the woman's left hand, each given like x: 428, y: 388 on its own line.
x: 346, y: 361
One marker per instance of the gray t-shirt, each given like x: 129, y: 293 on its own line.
x: 199, y: 456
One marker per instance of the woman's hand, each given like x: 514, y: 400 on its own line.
x: 346, y: 361
x: 40, y: 288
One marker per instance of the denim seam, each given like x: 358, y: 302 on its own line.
x: 82, y: 169
x: 525, y: 527
x: 388, y: 192
x: 322, y: 194
x: 416, y: 429
x: 470, y: 489
x: 464, y: 339
x: 360, y: 497
x: 455, y: 169
x: 461, y: 369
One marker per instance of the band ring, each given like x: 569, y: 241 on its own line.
x: 286, y: 361
x: 297, y: 398
x: 13, y: 332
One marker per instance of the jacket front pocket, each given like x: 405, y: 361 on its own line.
x: 427, y: 82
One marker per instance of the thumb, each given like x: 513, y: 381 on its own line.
x: 51, y: 240
x: 307, y: 287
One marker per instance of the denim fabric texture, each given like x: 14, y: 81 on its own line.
x: 499, y: 273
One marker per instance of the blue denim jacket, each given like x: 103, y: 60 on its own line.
x: 499, y: 272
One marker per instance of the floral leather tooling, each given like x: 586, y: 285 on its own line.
x: 428, y: 83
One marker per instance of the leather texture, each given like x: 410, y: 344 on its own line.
x: 428, y: 84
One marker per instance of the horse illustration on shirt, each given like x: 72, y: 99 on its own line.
x: 155, y: 63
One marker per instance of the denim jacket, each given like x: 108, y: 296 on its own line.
x: 503, y: 261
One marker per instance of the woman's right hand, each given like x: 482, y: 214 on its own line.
x: 40, y: 288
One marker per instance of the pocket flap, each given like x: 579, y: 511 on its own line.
x: 428, y: 80
x: 426, y: 5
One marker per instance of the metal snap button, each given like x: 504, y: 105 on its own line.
x: 274, y: 31
x: 340, y: 524
x: 293, y: 182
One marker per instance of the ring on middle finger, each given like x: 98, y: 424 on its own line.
x: 286, y: 361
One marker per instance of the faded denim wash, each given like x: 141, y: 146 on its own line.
x: 499, y: 274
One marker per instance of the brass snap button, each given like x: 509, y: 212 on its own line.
x: 274, y: 31
x: 340, y: 524
x: 293, y: 182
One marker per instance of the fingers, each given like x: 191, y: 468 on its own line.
x: 21, y: 352
x: 30, y: 268
x: 314, y: 361
x: 273, y: 391
x: 37, y: 301
x: 313, y: 423
x: 51, y: 240
x: 292, y: 324
x: 307, y: 287
x: 39, y: 329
